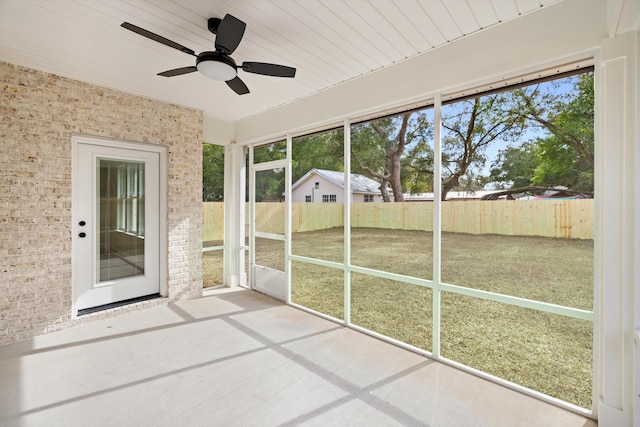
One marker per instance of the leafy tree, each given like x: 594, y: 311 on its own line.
x: 212, y: 173
x: 417, y: 168
x: 514, y: 167
x: 470, y: 126
x: 565, y: 156
x: 324, y: 150
x: 560, y: 164
x: 378, y: 148
x: 567, y: 116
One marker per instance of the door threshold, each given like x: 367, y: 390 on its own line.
x: 116, y: 304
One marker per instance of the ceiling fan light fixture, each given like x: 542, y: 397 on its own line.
x: 216, y: 66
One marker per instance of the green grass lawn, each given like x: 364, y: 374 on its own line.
x: 545, y: 352
x: 212, y: 265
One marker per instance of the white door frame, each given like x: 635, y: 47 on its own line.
x: 75, y: 215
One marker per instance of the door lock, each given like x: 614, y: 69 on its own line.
x: 82, y: 223
x: 83, y: 234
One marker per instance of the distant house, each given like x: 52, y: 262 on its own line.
x: 325, y: 186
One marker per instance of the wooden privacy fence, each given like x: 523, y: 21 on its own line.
x: 569, y: 219
x: 572, y: 219
x: 213, y: 221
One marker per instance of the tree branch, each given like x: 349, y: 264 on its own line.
x: 368, y: 169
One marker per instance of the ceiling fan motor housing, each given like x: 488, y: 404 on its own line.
x: 213, y: 24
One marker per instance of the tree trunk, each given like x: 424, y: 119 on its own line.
x: 385, y: 191
x: 448, y: 186
x: 396, y: 183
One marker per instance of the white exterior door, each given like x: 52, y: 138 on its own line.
x: 268, y: 230
x: 116, y: 230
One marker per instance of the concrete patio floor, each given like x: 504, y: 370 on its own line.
x: 239, y: 358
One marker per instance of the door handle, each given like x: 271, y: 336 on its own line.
x: 82, y: 223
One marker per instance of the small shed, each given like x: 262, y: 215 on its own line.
x: 325, y: 186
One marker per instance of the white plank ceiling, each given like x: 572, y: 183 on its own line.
x: 328, y: 41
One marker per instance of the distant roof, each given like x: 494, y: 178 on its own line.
x: 557, y: 192
x: 471, y: 194
x: 359, y: 183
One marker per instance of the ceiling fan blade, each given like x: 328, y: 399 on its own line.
x: 229, y: 34
x: 238, y: 86
x: 268, y: 69
x: 157, y: 38
x: 178, y: 71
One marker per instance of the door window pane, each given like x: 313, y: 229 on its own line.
x: 269, y: 193
x: 269, y: 218
x: 121, y: 216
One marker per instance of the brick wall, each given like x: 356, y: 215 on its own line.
x: 38, y: 114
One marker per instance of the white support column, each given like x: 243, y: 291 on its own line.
x: 287, y: 219
x: 617, y: 231
x: 347, y: 221
x: 636, y: 238
x: 234, y: 170
x: 437, y: 221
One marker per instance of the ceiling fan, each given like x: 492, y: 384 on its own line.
x: 217, y: 64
